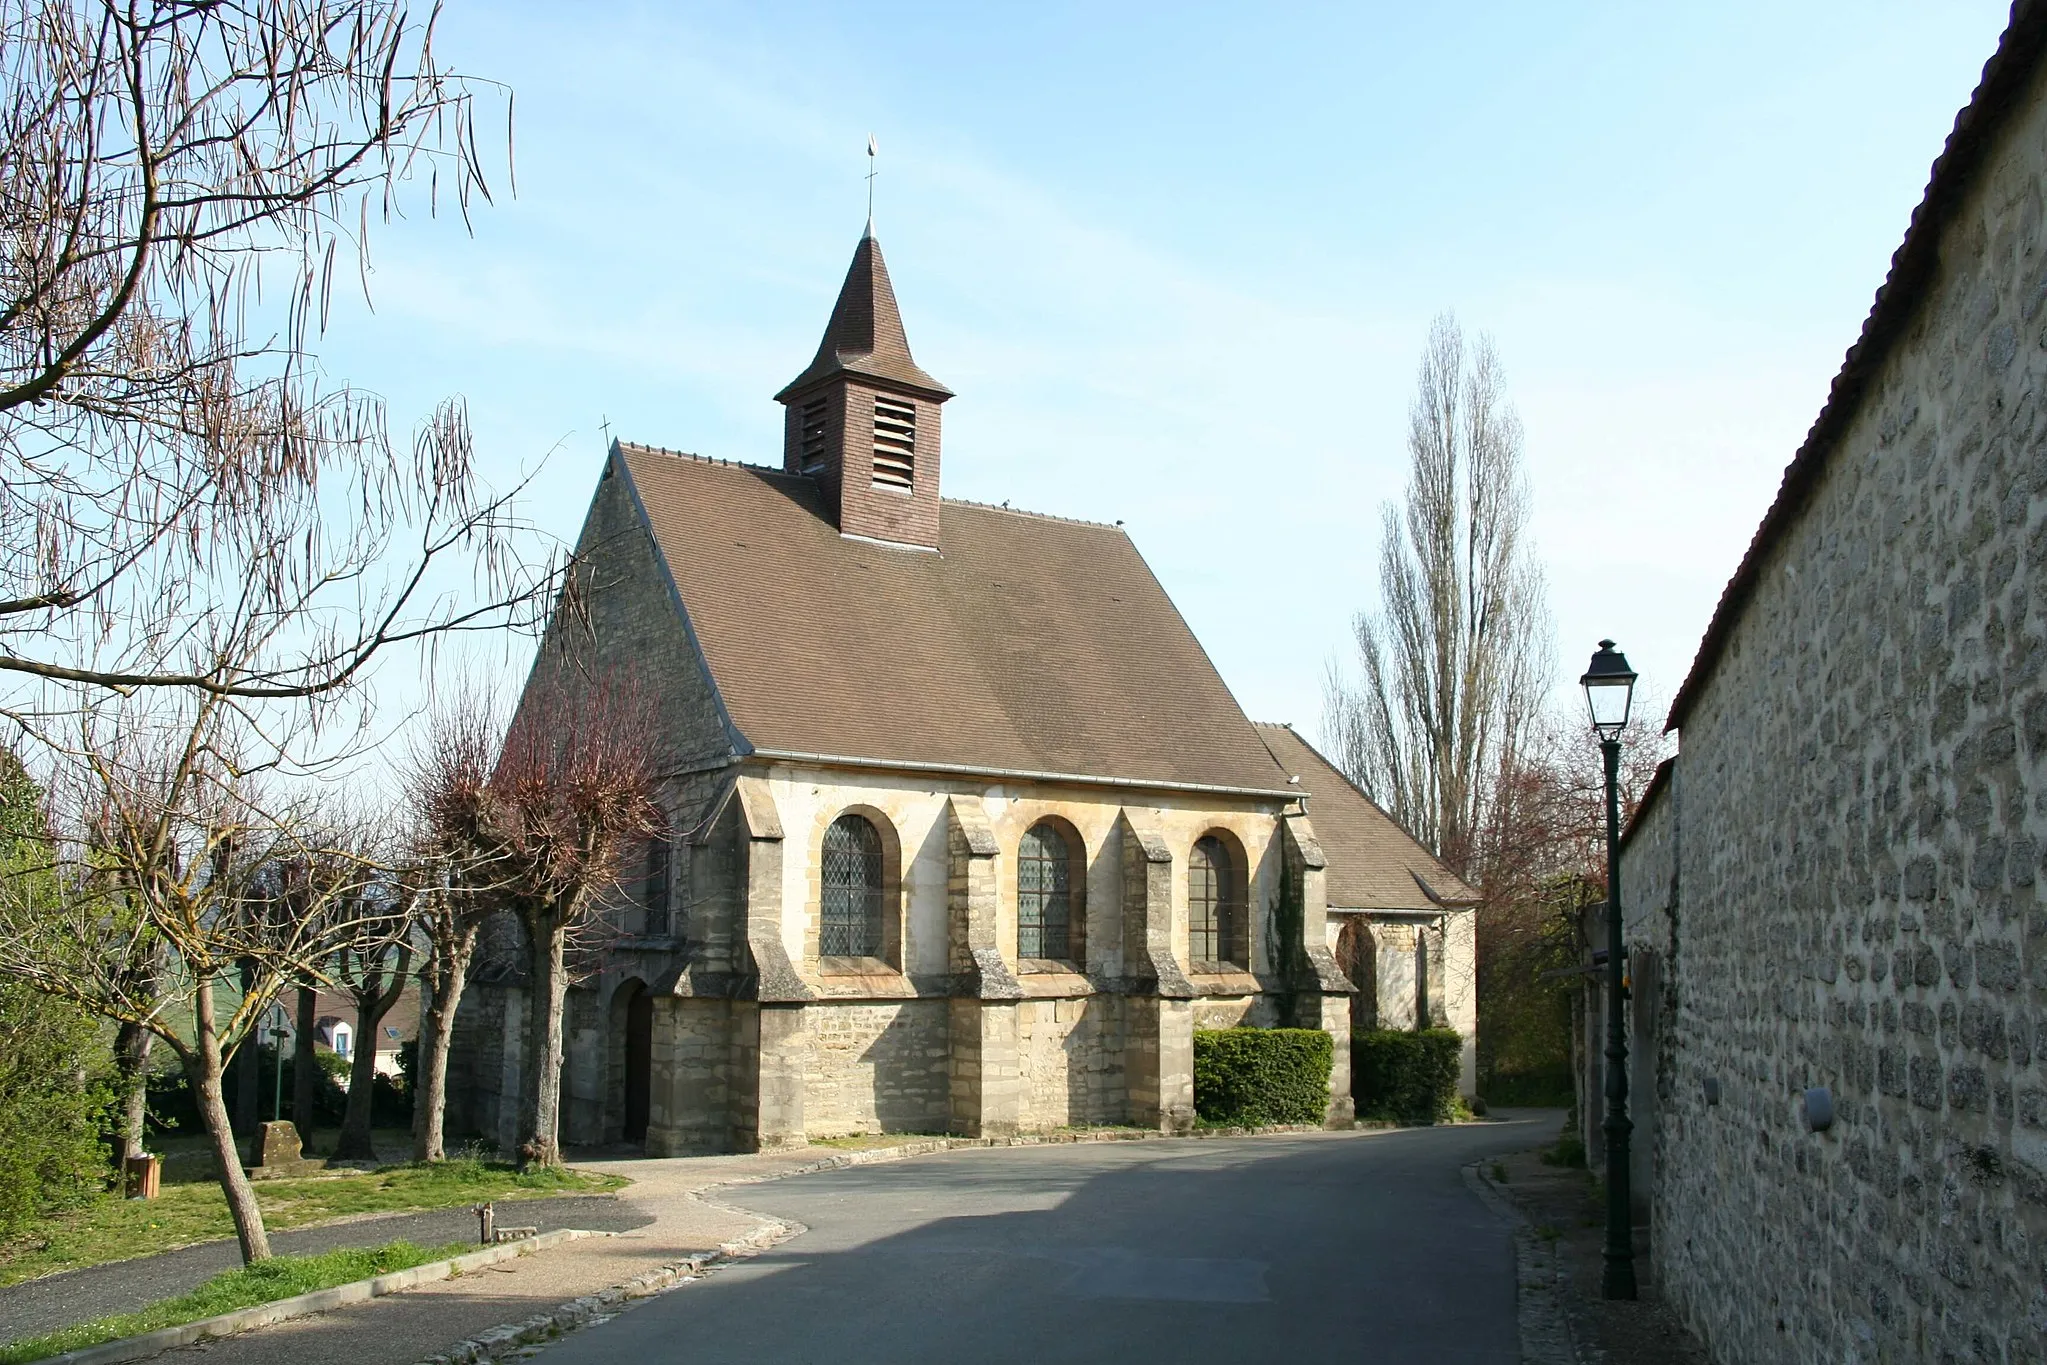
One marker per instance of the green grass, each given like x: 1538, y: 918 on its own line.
x: 265, y: 1282
x: 113, y: 1229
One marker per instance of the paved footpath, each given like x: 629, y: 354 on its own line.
x: 400, y: 1329
x: 39, y: 1306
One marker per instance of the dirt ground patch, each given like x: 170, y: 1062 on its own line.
x: 1563, y: 1205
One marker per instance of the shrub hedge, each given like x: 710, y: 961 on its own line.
x: 1404, y: 1075
x: 1256, y: 1076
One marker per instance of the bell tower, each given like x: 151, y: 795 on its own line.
x: 863, y: 418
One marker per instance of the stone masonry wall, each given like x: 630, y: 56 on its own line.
x: 1071, y: 1053
x: 878, y: 1068
x: 1858, y: 856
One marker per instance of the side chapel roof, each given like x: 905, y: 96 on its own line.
x: 2008, y: 77
x: 1028, y: 645
x: 1373, y: 864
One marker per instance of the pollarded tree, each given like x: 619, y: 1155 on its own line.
x: 572, y: 789
x: 372, y: 971
x: 355, y: 885
x: 1451, y: 667
x: 453, y: 878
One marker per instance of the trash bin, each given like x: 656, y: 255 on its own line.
x: 145, y: 1175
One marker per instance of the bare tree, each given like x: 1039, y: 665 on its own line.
x: 573, y: 788
x: 174, y: 844
x: 1450, y: 666
x: 373, y: 971
x: 184, y: 182
x: 370, y: 964
x: 1542, y: 862
x: 455, y: 875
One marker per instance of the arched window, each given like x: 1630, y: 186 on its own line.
x: 851, y: 921
x: 1357, y: 957
x: 1044, y: 894
x: 1215, y: 907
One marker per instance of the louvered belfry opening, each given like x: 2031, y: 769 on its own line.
x: 895, y: 443
x: 863, y: 418
x: 813, y: 453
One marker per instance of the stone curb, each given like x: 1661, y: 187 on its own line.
x: 303, y: 1305
x: 1540, y: 1286
x: 485, y: 1348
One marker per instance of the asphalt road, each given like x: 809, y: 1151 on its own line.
x: 38, y: 1306
x: 1363, y: 1247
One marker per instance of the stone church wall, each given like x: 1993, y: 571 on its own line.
x: 1858, y: 862
x: 878, y: 1068
x: 484, y: 1059
x: 915, y: 808
x: 1453, y: 977
x: 1071, y: 1053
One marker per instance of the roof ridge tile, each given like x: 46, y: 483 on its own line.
x: 714, y: 460
x: 1027, y: 512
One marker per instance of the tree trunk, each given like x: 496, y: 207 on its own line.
x: 540, y: 1135
x: 245, y: 1069
x: 203, y: 1069
x: 436, y: 1035
x: 354, y: 1142
x: 305, y: 1067
x: 373, y: 1001
x: 132, y: 1044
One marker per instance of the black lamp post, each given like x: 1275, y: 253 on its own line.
x: 1609, y: 688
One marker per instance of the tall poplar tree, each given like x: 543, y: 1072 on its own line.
x: 1449, y: 670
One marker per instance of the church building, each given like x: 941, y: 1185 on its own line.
x: 966, y: 832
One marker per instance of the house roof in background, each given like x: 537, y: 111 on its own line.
x: 1027, y: 645
x: 2006, y: 77
x: 1373, y: 863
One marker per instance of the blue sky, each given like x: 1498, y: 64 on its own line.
x: 1178, y: 261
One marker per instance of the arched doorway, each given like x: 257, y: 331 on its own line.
x: 632, y: 1013
x: 1357, y: 956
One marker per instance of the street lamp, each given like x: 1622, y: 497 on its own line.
x: 1609, y: 689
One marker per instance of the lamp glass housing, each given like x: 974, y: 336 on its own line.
x: 1609, y: 690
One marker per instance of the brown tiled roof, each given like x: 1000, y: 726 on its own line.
x: 865, y: 335
x: 1027, y: 644
x: 2007, y: 76
x: 1373, y: 864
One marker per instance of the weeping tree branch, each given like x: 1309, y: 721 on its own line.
x: 182, y: 185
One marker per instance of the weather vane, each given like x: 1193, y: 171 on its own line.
x: 873, y: 149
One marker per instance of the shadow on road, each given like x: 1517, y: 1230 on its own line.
x: 1363, y: 1245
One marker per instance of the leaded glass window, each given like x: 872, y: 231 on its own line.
x: 851, y: 920
x: 1215, y: 914
x: 1044, y: 899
